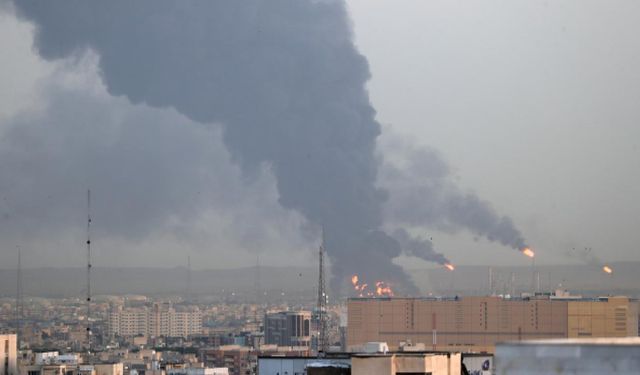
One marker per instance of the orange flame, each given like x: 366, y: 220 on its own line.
x: 528, y: 252
x: 607, y: 269
x: 381, y: 288
x: 449, y: 266
x: 354, y: 280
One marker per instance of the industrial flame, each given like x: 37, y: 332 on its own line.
x: 607, y: 269
x: 354, y: 280
x: 528, y: 252
x: 449, y: 266
x: 382, y: 288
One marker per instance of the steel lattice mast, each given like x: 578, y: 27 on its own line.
x: 19, y: 297
x: 322, y: 302
x: 188, y: 298
x: 88, y: 270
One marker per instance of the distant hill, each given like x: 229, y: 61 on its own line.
x: 71, y: 282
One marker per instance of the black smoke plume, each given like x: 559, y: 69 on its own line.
x: 424, y: 195
x: 285, y: 81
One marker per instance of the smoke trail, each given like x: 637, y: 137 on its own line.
x: 423, y: 194
x: 283, y: 78
x: 419, y: 247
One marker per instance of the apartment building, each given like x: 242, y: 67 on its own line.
x: 288, y: 328
x: 161, y: 319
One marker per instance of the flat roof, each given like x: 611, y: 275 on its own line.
x: 603, y: 341
x: 505, y: 298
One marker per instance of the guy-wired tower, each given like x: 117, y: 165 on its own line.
x: 322, y: 302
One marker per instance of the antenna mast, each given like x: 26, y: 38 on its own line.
x: 188, y: 299
x: 19, y: 300
x: 322, y: 302
x: 88, y: 271
x: 257, y: 291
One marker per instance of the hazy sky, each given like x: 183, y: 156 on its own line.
x: 533, y: 105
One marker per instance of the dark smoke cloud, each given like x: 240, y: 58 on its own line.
x: 423, y: 194
x: 152, y: 171
x: 284, y: 79
x: 418, y: 247
x: 282, y: 76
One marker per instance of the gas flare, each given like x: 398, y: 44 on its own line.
x: 354, y: 280
x: 528, y: 252
x: 382, y: 288
x: 449, y: 266
x: 607, y: 269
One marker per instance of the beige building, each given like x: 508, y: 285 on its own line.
x: 8, y: 354
x: 406, y: 363
x: 478, y: 323
x: 158, y: 320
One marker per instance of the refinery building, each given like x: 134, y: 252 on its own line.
x: 478, y: 323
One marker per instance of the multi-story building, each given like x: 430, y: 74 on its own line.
x: 158, y: 320
x: 478, y: 323
x: 8, y: 354
x: 129, y: 321
x: 288, y: 328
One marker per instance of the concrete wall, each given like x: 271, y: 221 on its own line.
x: 532, y: 359
x: 372, y: 366
x: 436, y: 364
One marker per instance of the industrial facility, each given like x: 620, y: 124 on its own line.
x: 478, y: 323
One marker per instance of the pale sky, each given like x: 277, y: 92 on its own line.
x: 533, y: 104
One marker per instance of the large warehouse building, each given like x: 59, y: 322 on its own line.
x: 478, y: 323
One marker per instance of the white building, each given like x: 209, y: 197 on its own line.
x: 54, y: 357
x: 198, y: 371
x: 280, y: 365
x: 569, y: 356
x: 8, y: 354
